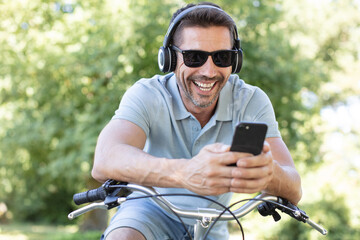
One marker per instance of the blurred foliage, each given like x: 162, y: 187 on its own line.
x: 31, y: 231
x: 337, y: 221
x: 90, y: 235
x: 64, y: 70
x: 65, y: 65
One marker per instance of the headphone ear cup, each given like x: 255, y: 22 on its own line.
x: 166, y: 59
x: 162, y: 59
x: 173, y: 60
x: 236, y: 67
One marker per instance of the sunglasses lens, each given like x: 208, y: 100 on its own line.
x: 223, y: 58
x: 194, y: 58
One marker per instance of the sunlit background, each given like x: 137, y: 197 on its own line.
x: 64, y: 66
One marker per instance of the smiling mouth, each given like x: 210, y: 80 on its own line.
x: 206, y: 87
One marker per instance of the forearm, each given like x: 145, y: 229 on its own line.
x: 285, y: 183
x: 207, y: 173
x: 127, y: 163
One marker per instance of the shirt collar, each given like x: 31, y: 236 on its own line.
x: 224, y: 107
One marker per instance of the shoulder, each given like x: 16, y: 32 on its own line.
x: 155, y: 83
x: 148, y: 88
x: 243, y: 91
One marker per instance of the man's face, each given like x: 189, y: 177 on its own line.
x: 200, y: 87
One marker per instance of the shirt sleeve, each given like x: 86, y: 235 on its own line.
x: 133, y: 107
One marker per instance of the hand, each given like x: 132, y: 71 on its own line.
x: 253, y: 173
x: 207, y: 173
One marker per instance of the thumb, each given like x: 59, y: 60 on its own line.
x: 266, y: 147
x: 218, y: 148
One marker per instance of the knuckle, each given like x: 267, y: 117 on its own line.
x: 209, y: 172
x: 216, y: 191
x: 211, y: 183
x: 263, y: 184
x: 238, y: 173
x: 235, y: 183
x: 265, y: 170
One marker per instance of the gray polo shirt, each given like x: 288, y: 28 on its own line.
x: 172, y: 132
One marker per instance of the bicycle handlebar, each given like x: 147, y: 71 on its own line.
x: 113, y: 198
x: 90, y: 196
x: 199, y: 213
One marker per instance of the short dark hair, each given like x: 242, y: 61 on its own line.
x: 202, y: 17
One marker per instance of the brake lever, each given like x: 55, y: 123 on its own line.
x: 108, y: 203
x: 111, y: 199
x: 294, y: 211
x: 87, y: 208
x: 268, y: 208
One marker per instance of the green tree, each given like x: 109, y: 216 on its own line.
x: 65, y: 67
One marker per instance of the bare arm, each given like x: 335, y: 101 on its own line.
x: 119, y: 156
x: 286, y: 181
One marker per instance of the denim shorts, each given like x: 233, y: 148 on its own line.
x: 149, y: 219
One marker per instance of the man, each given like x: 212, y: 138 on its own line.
x: 173, y: 132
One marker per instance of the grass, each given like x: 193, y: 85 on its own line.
x: 29, y: 231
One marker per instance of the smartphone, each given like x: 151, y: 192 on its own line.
x: 249, y: 137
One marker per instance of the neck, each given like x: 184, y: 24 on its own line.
x: 203, y: 115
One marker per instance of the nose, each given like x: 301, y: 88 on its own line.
x: 209, y: 68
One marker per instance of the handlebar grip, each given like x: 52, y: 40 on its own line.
x: 90, y: 196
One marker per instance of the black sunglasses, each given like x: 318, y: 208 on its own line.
x: 197, y: 58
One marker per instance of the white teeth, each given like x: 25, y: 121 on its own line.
x: 205, y: 86
x: 205, y: 89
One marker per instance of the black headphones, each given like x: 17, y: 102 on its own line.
x: 167, y: 56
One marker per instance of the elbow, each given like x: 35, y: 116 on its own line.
x: 297, y: 195
x: 98, y: 173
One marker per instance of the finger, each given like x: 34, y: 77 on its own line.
x: 222, y: 182
x: 217, y: 148
x: 217, y: 171
x: 255, y: 161
x: 244, y: 190
x: 231, y: 159
x: 266, y: 147
x: 252, y: 173
x: 212, y: 186
x: 241, y: 185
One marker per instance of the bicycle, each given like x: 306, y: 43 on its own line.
x: 114, y: 193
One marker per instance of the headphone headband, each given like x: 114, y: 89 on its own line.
x: 182, y: 14
x: 167, y: 57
